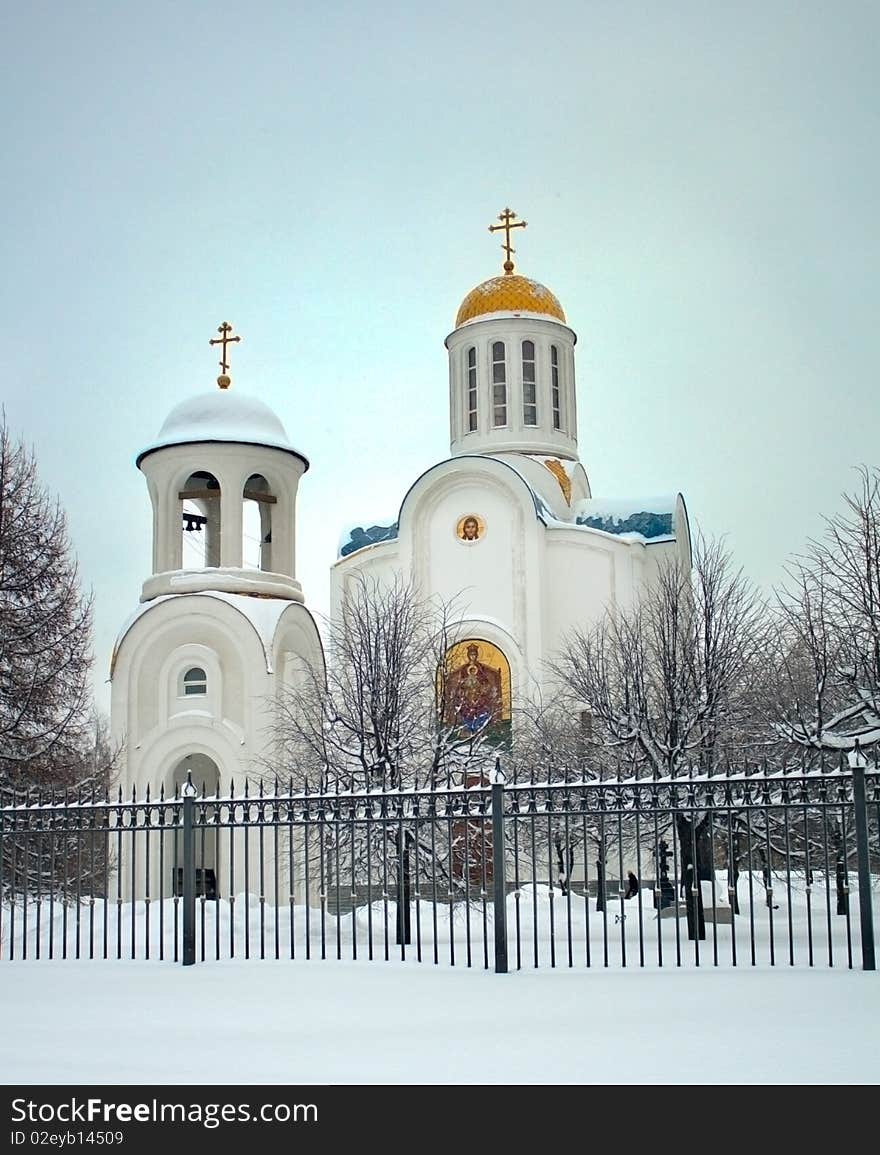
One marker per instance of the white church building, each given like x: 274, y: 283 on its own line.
x: 506, y: 528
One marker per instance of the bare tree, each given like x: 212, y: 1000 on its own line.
x: 556, y: 742
x: 376, y: 717
x: 668, y: 684
x: 378, y: 720
x: 828, y: 652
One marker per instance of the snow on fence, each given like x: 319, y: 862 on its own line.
x: 742, y: 870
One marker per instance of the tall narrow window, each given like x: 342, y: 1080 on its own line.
x: 471, y: 389
x: 256, y: 521
x: 499, y: 385
x: 530, y: 400
x: 200, y: 512
x: 554, y: 387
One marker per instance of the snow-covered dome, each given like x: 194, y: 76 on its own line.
x: 221, y: 415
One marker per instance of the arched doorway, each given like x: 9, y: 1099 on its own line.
x: 205, y: 776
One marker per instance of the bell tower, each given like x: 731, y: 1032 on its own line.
x: 511, y: 366
x: 222, y: 629
x: 223, y: 478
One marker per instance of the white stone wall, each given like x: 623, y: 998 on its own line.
x: 523, y: 585
x: 159, y: 724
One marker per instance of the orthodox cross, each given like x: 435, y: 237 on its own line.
x: 224, y: 381
x: 507, y: 218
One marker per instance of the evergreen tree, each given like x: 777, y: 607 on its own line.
x: 46, y: 724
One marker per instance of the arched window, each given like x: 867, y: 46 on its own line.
x: 471, y: 389
x: 554, y: 387
x: 200, y: 514
x: 195, y: 681
x: 256, y: 523
x: 473, y: 690
x: 204, y: 774
x: 499, y: 385
x: 530, y: 399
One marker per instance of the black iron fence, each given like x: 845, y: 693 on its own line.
x: 753, y: 868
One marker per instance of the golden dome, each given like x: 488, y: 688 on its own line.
x: 509, y: 293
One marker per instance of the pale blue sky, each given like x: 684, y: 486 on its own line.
x: 700, y: 182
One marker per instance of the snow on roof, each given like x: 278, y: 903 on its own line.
x: 262, y: 613
x: 357, y: 537
x: 633, y: 519
x: 221, y: 415
x: 624, y: 507
x: 650, y: 518
x: 542, y: 509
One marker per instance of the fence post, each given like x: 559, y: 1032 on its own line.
x: 600, y: 880
x: 189, y: 873
x: 498, y: 870
x: 404, y: 918
x: 857, y: 762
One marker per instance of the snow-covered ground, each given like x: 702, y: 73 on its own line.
x: 404, y: 1022
x: 383, y: 1023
